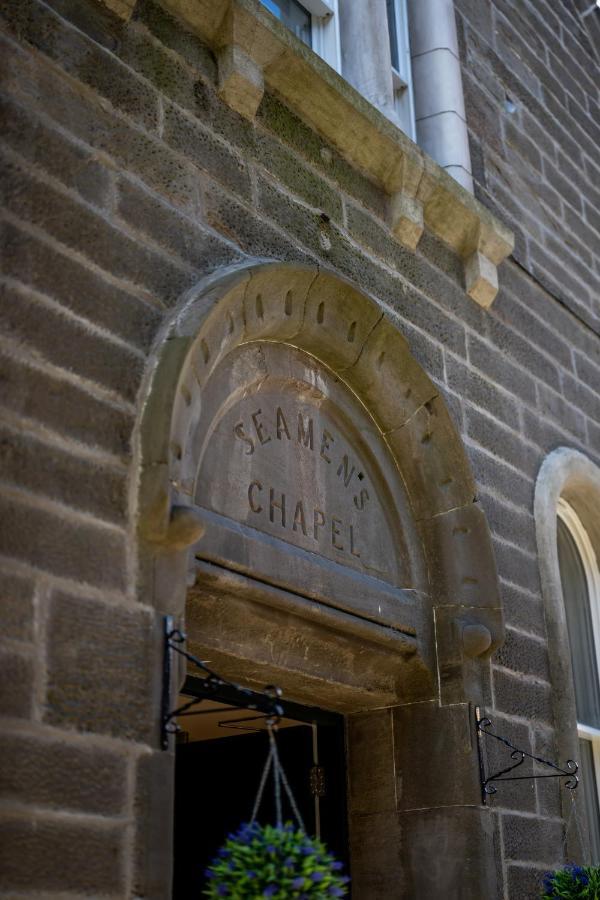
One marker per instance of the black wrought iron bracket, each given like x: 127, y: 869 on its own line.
x: 518, y: 756
x: 206, y: 688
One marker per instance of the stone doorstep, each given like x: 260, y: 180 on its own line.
x: 255, y: 51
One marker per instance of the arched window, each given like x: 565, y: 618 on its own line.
x: 580, y: 580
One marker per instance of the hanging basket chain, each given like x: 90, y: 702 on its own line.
x: 279, y: 778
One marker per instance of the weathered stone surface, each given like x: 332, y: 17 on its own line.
x: 371, y: 764
x: 154, y: 836
x: 103, y: 666
x: 62, y: 775
x: 16, y: 606
x: 449, y: 846
x: 426, y: 735
x: 462, y: 563
x: 50, y: 855
x: 437, y: 481
x: 16, y: 684
x: 538, y: 840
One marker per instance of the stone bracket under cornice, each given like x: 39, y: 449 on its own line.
x: 255, y: 51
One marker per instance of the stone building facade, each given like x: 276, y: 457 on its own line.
x: 269, y: 370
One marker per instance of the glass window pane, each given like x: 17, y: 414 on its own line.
x: 294, y: 16
x: 588, y: 787
x: 580, y: 627
x: 391, y: 17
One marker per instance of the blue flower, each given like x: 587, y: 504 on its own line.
x: 298, y: 882
x: 336, y: 866
x: 317, y: 876
x: 270, y: 890
x: 335, y: 891
x: 222, y: 890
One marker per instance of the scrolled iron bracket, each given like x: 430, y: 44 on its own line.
x: 518, y: 756
x: 207, y: 688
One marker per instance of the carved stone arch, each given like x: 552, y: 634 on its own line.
x: 318, y: 316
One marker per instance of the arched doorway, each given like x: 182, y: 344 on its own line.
x: 290, y: 439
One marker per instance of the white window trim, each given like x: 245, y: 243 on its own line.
x: 592, y: 573
x: 402, y: 78
x: 325, y: 31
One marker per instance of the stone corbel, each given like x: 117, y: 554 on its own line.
x: 407, y: 220
x: 481, y: 261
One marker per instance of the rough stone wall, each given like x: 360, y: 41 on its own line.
x: 530, y: 75
x: 126, y: 181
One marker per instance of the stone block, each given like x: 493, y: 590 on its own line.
x: 173, y: 231
x: 46, y: 470
x: 241, y: 83
x: 16, y: 684
x: 251, y: 232
x: 67, y: 280
x: 375, y: 846
x: 522, y: 697
x: 62, y: 775
x: 523, y: 610
x: 169, y: 74
x: 434, y: 466
x: 61, y: 158
x: 465, y: 637
x: 462, y: 567
x: 153, y: 855
x: 170, y: 32
x: 66, y: 547
x: 82, y: 230
x: 481, y: 279
x: 481, y: 389
x: 452, y: 846
x: 385, y: 359
x: 279, y: 119
x: 16, y: 606
x: 525, y: 882
x: 63, y: 407
x: 522, y: 653
x: 289, y: 169
x: 337, y: 322
x: 51, y: 855
x: 371, y: 764
x: 533, y: 839
x: 407, y: 220
x: 104, y: 663
x: 85, y: 60
x: 426, y: 737
x: 188, y: 137
x: 506, y: 443
x: 66, y: 343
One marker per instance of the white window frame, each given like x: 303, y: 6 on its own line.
x: 404, y: 101
x: 571, y: 520
x: 325, y: 30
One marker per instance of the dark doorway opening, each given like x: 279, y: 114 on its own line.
x: 218, y: 763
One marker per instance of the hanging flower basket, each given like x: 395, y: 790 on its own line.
x: 277, y: 862
x: 572, y: 882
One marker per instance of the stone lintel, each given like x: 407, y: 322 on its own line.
x: 255, y: 50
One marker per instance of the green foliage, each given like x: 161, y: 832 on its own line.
x: 572, y: 882
x: 281, y: 863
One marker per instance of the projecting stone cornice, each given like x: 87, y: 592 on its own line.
x: 255, y: 51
